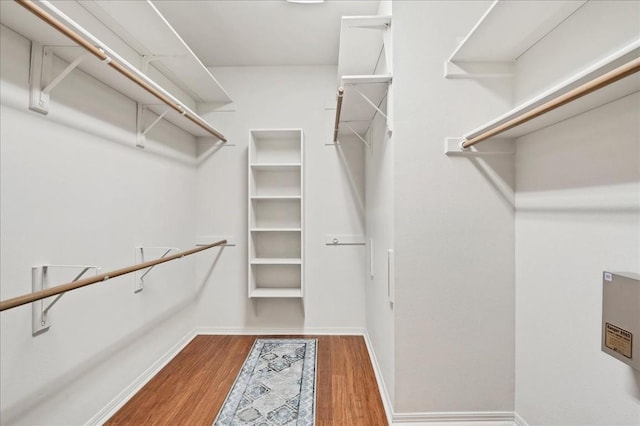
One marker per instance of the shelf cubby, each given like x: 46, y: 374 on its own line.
x: 276, y: 214
x: 276, y: 244
x: 275, y: 181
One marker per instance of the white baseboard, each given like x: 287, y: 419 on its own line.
x: 322, y: 331
x: 480, y: 418
x: 127, y: 393
x: 382, y: 387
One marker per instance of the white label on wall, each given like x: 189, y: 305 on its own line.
x: 607, y: 276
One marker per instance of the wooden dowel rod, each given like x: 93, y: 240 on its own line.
x: 99, y: 53
x: 612, y: 76
x: 338, y: 111
x: 62, y: 288
x: 45, y: 16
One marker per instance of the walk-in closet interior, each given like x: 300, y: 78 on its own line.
x: 438, y: 200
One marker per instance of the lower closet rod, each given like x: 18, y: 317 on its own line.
x: 62, y: 288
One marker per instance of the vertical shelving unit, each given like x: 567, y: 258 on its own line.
x: 276, y: 213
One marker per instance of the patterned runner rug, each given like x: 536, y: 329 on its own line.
x: 275, y: 387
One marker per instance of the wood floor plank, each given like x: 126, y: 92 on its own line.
x: 191, y: 389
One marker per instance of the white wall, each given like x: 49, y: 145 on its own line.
x: 578, y: 214
x: 74, y: 190
x: 380, y: 313
x: 283, y: 97
x: 379, y: 215
x: 454, y: 233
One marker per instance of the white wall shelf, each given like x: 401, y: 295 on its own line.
x: 276, y: 261
x: 364, y: 70
x: 141, y: 25
x: 276, y: 229
x: 276, y: 214
x: 617, y: 90
x: 503, y: 33
x: 276, y: 197
x: 283, y: 293
x: 24, y: 22
x: 360, y: 45
x: 275, y: 166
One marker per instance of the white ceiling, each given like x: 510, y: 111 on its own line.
x: 262, y: 32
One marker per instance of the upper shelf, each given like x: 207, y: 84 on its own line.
x: 360, y: 48
x: 30, y: 26
x: 364, y: 70
x: 141, y: 25
x: 525, y: 22
x: 603, y: 94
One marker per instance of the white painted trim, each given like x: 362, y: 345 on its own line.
x: 243, y: 331
x: 382, y: 387
x: 127, y: 393
x: 519, y: 421
x: 458, y: 416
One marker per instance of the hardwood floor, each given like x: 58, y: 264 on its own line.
x: 192, y: 387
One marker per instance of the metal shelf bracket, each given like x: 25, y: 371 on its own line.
x: 140, y: 258
x: 141, y: 132
x: 373, y: 105
x: 40, y: 277
x: 147, y: 59
x: 41, y: 82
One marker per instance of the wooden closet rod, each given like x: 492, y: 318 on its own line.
x: 612, y: 76
x: 62, y: 288
x: 338, y: 110
x: 99, y: 53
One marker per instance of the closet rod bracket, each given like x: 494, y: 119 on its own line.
x: 370, y: 102
x: 141, y: 131
x: 364, y: 141
x: 147, y: 59
x: 140, y: 258
x: 40, y: 280
x: 41, y: 83
x: 479, y: 70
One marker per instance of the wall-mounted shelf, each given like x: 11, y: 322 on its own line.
x: 141, y: 25
x: 503, y: 33
x: 277, y: 261
x: 14, y: 16
x: 275, y: 167
x: 626, y: 58
x: 364, y: 69
x: 276, y: 229
x: 275, y: 197
x: 276, y: 219
x: 281, y: 293
x: 361, y: 47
